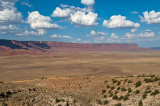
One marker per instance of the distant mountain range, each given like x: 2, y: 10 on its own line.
x: 13, y: 47
x: 155, y: 48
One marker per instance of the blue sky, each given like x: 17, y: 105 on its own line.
x: 81, y: 21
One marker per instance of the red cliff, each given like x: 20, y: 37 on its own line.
x: 33, y: 47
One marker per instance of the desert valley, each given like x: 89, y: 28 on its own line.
x: 79, y: 53
x: 57, y: 73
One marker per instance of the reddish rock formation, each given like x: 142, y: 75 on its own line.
x: 12, y: 47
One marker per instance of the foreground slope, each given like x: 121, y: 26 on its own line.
x: 92, y: 90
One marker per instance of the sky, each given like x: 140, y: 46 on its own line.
x: 82, y: 21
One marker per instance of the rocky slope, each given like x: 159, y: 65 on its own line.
x: 141, y: 90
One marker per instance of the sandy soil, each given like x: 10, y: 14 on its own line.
x: 18, y: 68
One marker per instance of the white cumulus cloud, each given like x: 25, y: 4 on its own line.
x: 26, y: 4
x: 134, y: 12
x: 41, y: 31
x: 62, y: 13
x: 93, y: 33
x: 78, y: 39
x: 134, y: 30
x: 26, y: 33
x: 148, y: 30
x: 83, y: 19
x: 114, y: 36
x: 88, y: 2
x: 60, y: 36
x: 151, y: 17
x: 9, y: 14
x: 99, y: 39
x: 38, y: 21
x: 118, y: 21
x: 8, y: 27
x: 9, y: 0
x: 142, y: 34
x: 130, y: 35
x: 147, y: 34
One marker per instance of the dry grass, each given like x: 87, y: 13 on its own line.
x: 86, y: 90
x: 18, y: 68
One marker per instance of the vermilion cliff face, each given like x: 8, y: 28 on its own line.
x: 12, y: 47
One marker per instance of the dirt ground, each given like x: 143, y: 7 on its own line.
x: 18, y: 68
x: 80, y: 79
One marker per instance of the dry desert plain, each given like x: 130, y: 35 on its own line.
x: 84, y: 78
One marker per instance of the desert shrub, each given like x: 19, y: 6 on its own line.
x: 105, y: 96
x: 155, y: 93
x: 144, y: 75
x: 80, y: 87
x: 105, y: 102
x: 2, y: 95
x: 111, y: 94
x: 29, y: 89
x: 118, y: 83
x: 8, y: 93
x: 138, y: 84
x: 118, y: 104
x: 112, y: 87
x: 4, y: 103
x: 159, y: 82
x: 128, y: 94
x: 152, y: 94
x: 58, y: 100
x: 87, y: 77
x: 99, y: 102
x: 114, y: 81
x: 129, y: 90
x: 123, y: 89
x: 75, y: 101
x: 156, y: 79
x: 115, y: 97
x: 125, y: 80
x: 147, y: 80
x: 140, y: 103
x: 109, y: 91
x: 116, y: 92
x: 34, y: 89
x: 103, y: 91
x: 108, y: 86
x: 137, y: 92
x: 126, y: 97
x: 129, y: 81
x: 144, y: 96
x: 1, y: 81
x: 120, y: 98
x: 118, y: 88
x: 152, y: 75
x: 148, y: 91
x: 106, y: 81
x: 148, y: 87
x: 43, y: 78
x: 139, y: 76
